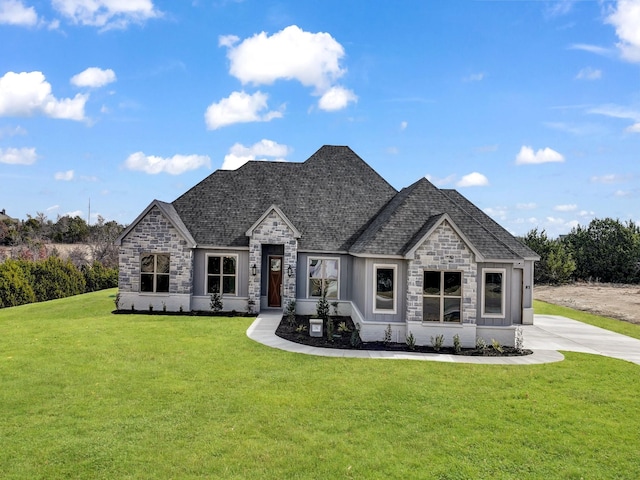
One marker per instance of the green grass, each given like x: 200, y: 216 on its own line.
x: 625, y: 328
x: 88, y: 394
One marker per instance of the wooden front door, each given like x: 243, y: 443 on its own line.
x: 275, y: 282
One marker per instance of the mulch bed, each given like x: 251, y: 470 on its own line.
x: 298, y: 332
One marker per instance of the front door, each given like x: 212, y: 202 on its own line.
x: 275, y: 282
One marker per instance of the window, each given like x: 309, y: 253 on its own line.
x: 323, y: 276
x: 442, y: 296
x: 221, y: 274
x: 493, y: 292
x: 385, y: 288
x: 154, y: 272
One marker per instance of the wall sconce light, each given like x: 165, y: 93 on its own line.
x: 290, y: 271
x: 254, y: 270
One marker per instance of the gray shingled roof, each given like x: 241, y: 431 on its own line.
x: 330, y: 198
x: 338, y: 203
x: 416, y: 209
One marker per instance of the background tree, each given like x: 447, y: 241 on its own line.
x: 556, y: 263
x: 607, y: 250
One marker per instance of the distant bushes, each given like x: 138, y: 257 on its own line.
x: 25, y: 281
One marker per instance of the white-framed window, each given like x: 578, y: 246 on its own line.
x: 442, y: 296
x: 323, y: 276
x: 222, y: 274
x: 385, y: 285
x: 493, y: 292
x: 154, y: 272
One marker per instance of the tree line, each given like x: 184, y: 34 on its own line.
x: 31, y: 270
x: 606, y: 250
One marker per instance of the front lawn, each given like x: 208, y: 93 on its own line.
x: 88, y: 394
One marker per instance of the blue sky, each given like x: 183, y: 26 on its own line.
x: 531, y: 109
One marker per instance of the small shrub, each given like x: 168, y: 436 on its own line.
x: 519, y: 340
x: 481, y: 344
x: 334, y: 306
x: 117, y: 301
x: 329, y: 329
x: 150, y: 308
x: 216, y: 302
x: 495, y: 344
x: 164, y: 307
x: 322, y: 307
x: 343, y: 328
x: 133, y: 307
x: 290, y: 312
x: 181, y: 309
x: 301, y: 328
x: 456, y: 343
x: 386, y: 339
x: 437, y: 342
x: 411, y: 341
x: 355, y: 340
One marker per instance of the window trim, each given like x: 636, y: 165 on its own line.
x: 503, y: 303
x: 393, y: 267
x: 222, y: 275
x: 155, y: 273
x: 441, y: 296
x: 309, y: 259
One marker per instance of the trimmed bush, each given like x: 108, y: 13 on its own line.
x: 15, y: 287
x: 98, y: 277
x: 54, y: 278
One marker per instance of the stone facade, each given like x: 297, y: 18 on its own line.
x: 443, y: 250
x: 273, y: 230
x: 155, y: 234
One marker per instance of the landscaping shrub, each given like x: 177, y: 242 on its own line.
x: 98, y: 277
x: 54, y: 278
x: 15, y: 287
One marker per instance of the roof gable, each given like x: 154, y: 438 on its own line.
x: 169, y: 213
x: 273, y: 208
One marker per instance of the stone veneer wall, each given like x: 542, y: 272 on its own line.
x: 273, y: 231
x: 155, y: 234
x: 443, y: 250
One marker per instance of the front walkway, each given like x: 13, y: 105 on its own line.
x: 548, y: 335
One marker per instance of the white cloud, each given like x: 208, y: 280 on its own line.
x: 291, y: 54
x: 474, y: 179
x: 52, y: 208
x: 64, y: 176
x: 635, y: 128
x: 622, y: 193
x: 239, y: 107
x: 497, y: 212
x: 589, y: 73
x: 565, y: 208
x: 526, y: 206
x: 587, y: 213
x: 336, y: 98
x: 608, y: 178
x: 239, y: 154
x: 94, y: 77
x: 107, y: 14
x: 14, y: 12
x: 404, y: 125
x: 441, y: 182
x: 546, y: 155
x: 175, y: 165
x: 591, y: 49
x: 625, y: 17
x: 475, y: 77
x: 12, y: 131
x: 73, y: 214
x: 18, y: 156
x: 26, y: 94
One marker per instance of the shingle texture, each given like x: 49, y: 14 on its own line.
x: 338, y: 203
x: 329, y: 198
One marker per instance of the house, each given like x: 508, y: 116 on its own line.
x: 424, y: 260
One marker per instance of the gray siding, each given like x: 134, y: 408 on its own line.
x: 200, y: 270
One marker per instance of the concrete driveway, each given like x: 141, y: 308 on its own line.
x: 551, y: 332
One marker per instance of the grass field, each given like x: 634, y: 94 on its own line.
x: 87, y: 394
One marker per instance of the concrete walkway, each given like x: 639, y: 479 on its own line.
x: 548, y: 335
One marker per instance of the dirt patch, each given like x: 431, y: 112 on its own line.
x: 610, y: 300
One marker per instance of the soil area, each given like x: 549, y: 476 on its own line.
x: 606, y: 299
x: 345, y: 336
